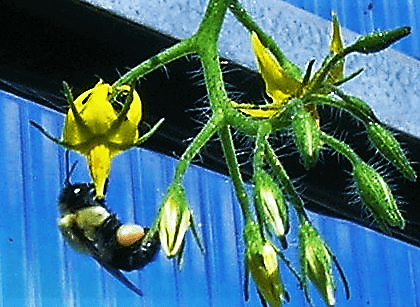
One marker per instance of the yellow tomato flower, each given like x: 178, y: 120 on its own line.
x: 94, y: 127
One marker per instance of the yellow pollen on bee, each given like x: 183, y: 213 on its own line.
x: 129, y: 234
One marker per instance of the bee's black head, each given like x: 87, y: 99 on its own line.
x: 77, y: 196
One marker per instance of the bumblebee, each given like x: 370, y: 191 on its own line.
x: 89, y: 227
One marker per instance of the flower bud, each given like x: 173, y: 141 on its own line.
x: 306, y: 136
x: 271, y: 204
x: 174, y: 222
x: 316, y: 262
x: 379, y: 40
x: 389, y: 147
x: 261, y: 262
x: 377, y: 196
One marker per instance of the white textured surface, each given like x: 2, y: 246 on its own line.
x: 389, y: 84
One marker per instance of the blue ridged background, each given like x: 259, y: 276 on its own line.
x: 38, y: 269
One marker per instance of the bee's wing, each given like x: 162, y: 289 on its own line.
x: 120, y: 276
x: 93, y: 251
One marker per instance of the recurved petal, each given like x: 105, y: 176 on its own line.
x: 279, y: 85
x: 99, y: 161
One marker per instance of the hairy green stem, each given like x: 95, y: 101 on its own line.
x: 212, y: 21
x: 287, y: 184
x: 194, y: 148
x: 357, y: 108
x: 216, y: 91
x: 341, y: 148
x: 207, y: 38
x: 258, y: 162
x: 259, y: 151
x: 177, y: 51
x: 234, y: 171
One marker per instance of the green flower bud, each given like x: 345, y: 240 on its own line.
x: 316, y: 262
x: 175, y: 219
x: 389, y: 147
x: 271, y: 205
x: 377, y: 196
x: 306, y: 136
x: 379, y: 40
x: 261, y: 262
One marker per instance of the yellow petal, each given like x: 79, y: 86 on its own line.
x: 98, y: 115
x: 259, y: 113
x: 127, y: 132
x: 164, y: 239
x: 270, y: 259
x: 263, y: 266
x: 174, y: 223
x: 318, y: 261
x: 279, y: 85
x: 182, y: 229
x: 75, y: 133
x: 96, y: 112
x: 169, y: 221
x: 336, y: 46
x: 272, y: 211
x: 99, y: 161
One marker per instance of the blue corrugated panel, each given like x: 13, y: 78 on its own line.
x: 38, y: 269
x: 365, y: 16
